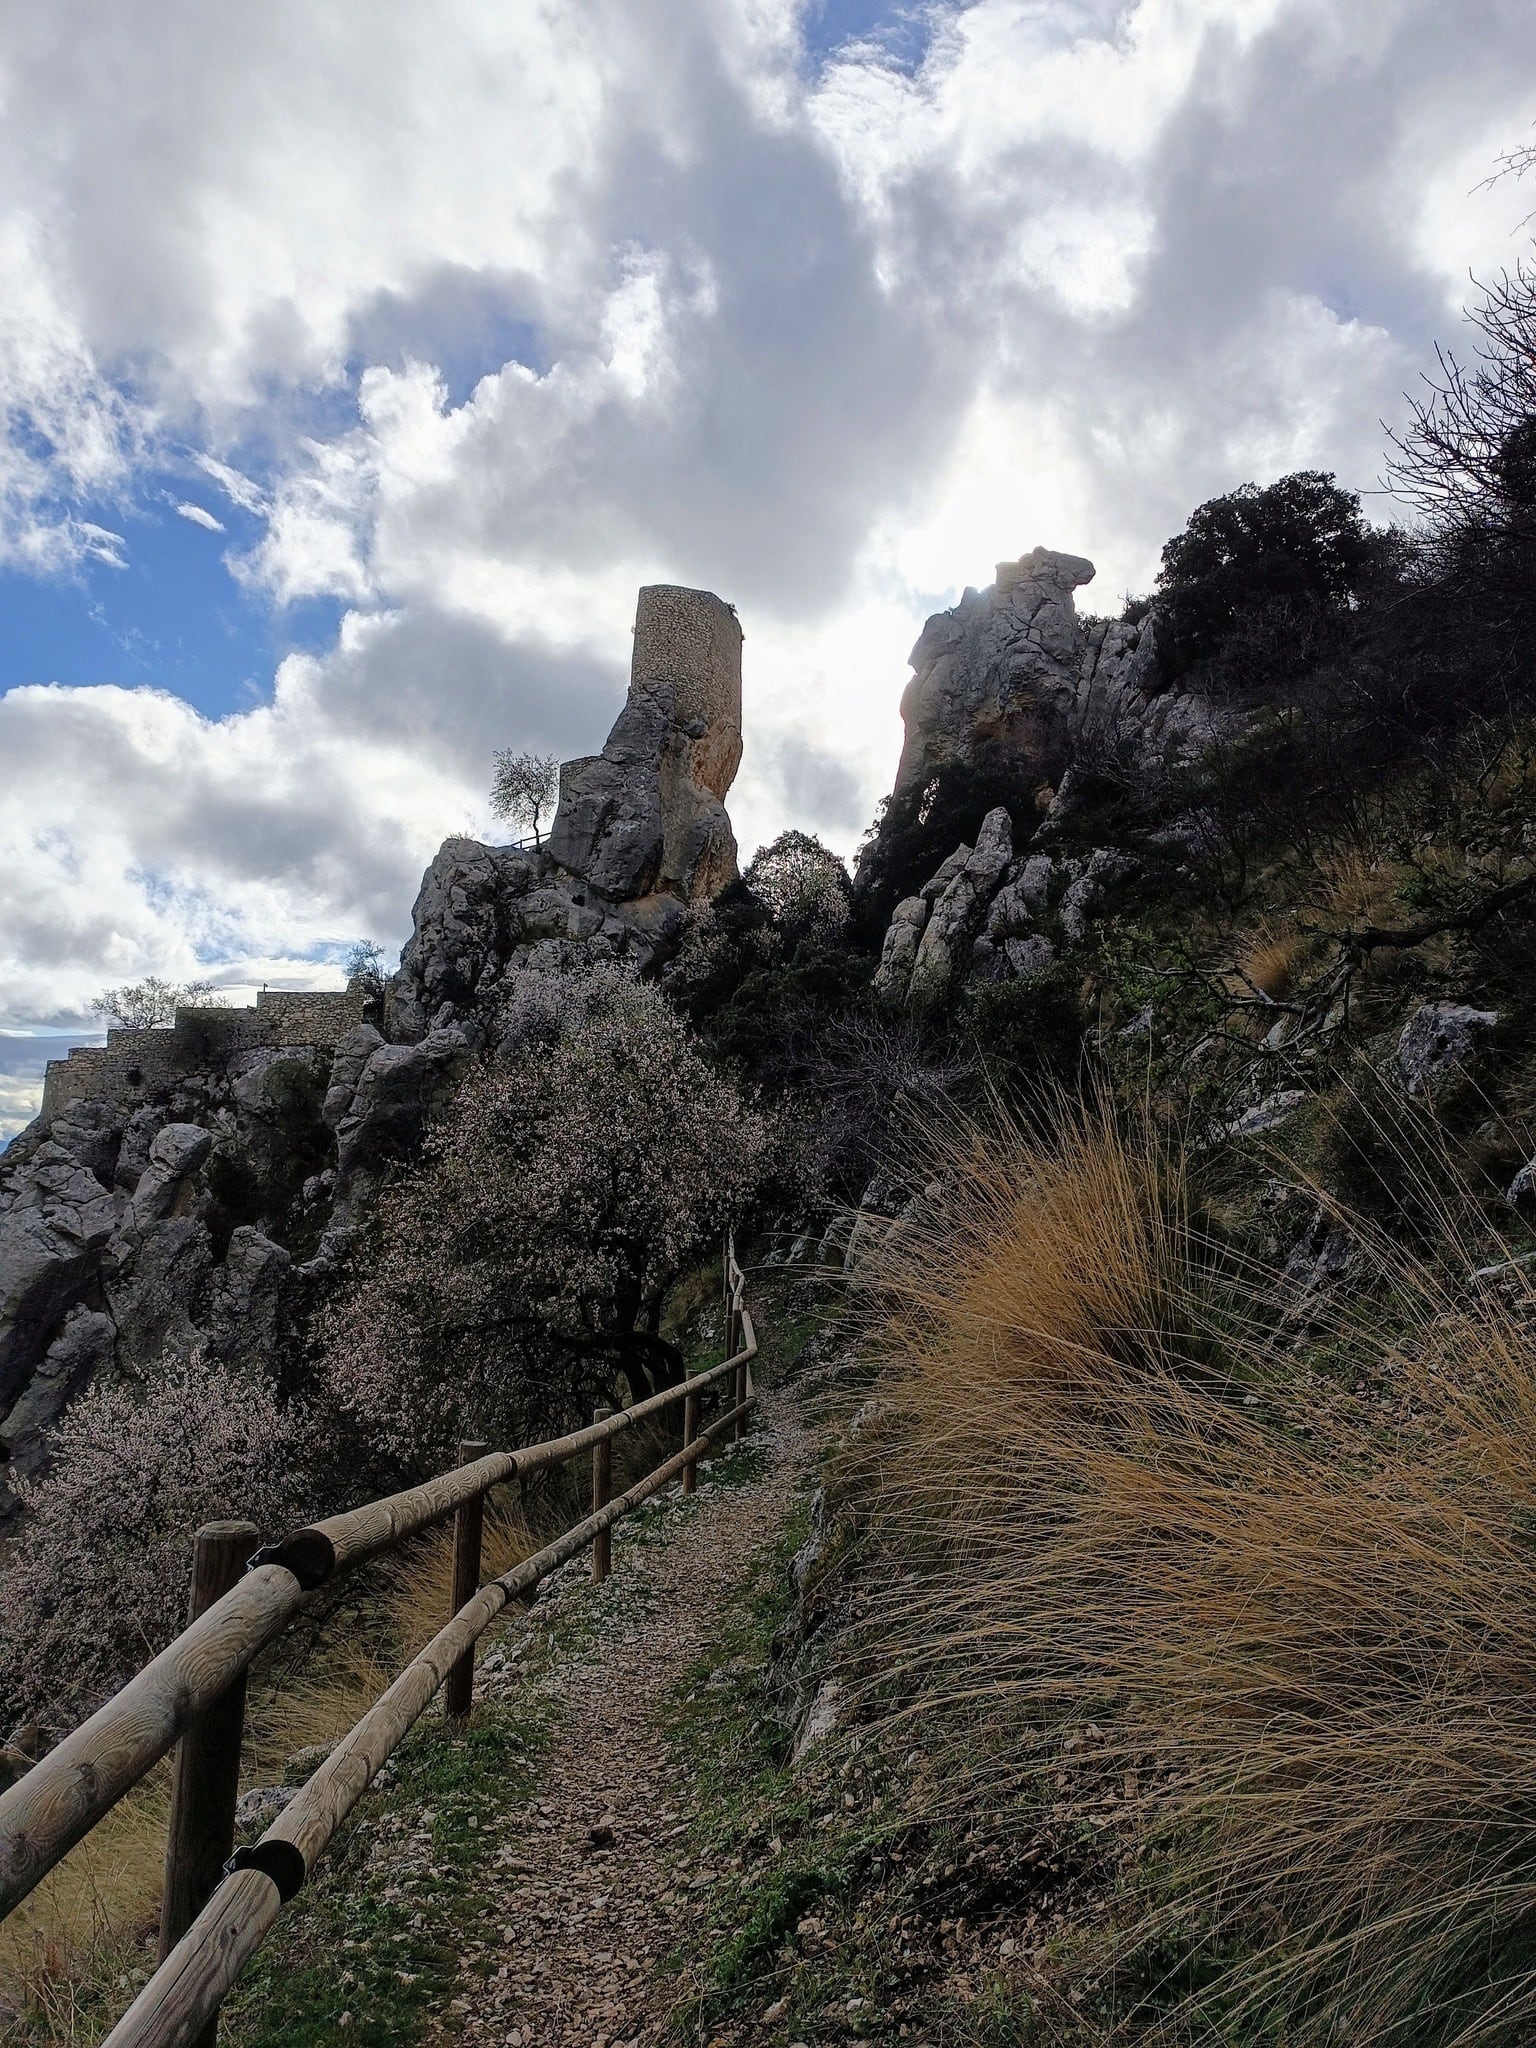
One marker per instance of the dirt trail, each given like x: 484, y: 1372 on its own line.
x: 590, y: 1888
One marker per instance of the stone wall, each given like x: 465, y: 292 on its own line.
x: 692, y: 640
x: 133, y: 1064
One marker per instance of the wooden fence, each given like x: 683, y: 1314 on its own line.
x: 219, y: 1907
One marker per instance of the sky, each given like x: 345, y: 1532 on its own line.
x: 359, y: 360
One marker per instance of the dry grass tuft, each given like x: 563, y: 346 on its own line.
x: 1292, y: 1624
x: 1272, y: 958
x: 80, y: 1931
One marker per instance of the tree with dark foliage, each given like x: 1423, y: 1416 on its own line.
x: 1301, y: 542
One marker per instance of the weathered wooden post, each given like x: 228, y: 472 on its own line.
x: 739, y: 1377
x: 602, y: 1489
x: 690, y: 1432
x: 206, y: 1780
x: 468, y: 1529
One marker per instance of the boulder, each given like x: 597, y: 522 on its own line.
x: 1438, y: 1039
x: 399, y: 1087
x: 261, y: 1805
x: 177, y: 1153
x: 463, y: 926
x: 1269, y: 1114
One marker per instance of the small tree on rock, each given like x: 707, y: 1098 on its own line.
x: 524, y: 787
x: 364, y: 969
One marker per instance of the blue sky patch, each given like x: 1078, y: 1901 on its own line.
x: 901, y: 29
x: 172, y: 617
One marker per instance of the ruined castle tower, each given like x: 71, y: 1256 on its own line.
x: 647, y: 815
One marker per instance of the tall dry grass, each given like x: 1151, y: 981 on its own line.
x: 1289, y: 1593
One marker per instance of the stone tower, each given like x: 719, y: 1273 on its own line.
x: 647, y: 815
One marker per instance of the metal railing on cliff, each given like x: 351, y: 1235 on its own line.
x: 218, y: 1907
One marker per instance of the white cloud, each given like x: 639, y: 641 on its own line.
x: 491, y: 319
x: 200, y: 516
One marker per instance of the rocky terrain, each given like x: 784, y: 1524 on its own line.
x: 191, y: 1188
x: 1205, y: 927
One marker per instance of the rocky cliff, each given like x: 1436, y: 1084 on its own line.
x: 191, y: 1188
x: 1013, y: 676
x: 1013, y: 682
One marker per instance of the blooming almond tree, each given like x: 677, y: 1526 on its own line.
x: 520, y: 1272
x: 97, y: 1581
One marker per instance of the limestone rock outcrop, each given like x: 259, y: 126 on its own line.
x: 1437, y: 1039
x: 987, y: 915
x: 641, y: 834
x: 1012, y: 677
x: 958, y: 909
x: 118, y: 1249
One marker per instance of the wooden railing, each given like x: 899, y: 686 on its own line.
x: 218, y: 1908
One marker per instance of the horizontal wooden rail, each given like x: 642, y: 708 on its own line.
x: 186, y: 1991
x: 61, y: 1798
x: 48, y: 1810
x: 321, y: 1549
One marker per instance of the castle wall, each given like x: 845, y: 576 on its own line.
x: 691, y: 639
x: 134, y: 1065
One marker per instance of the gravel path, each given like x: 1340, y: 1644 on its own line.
x: 592, y: 1889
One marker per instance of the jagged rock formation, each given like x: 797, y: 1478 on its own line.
x: 121, y: 1228
x: 986, y: 915
x: 1012, y: 676
x: 1012, y: 680
x: 641, y: 833
x: 188, y: 1188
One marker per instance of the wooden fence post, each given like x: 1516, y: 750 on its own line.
x: 602, y: 1490
x: 206, y: 1779
x: 690, y: 1431
x: 468, y: 1526
x: 739, y: 1377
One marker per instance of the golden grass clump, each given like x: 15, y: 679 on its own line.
x: 1298, y: 1619
x: 1272, y: 958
